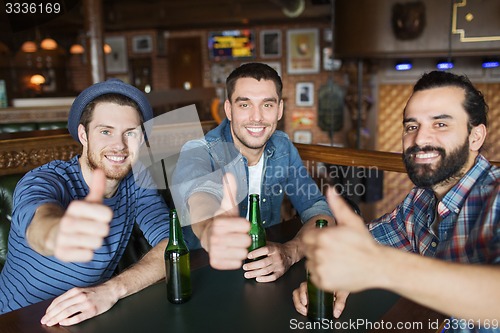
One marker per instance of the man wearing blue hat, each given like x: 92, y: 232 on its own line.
x: 73, y: 219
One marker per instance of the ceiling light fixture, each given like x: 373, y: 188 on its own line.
x: 76, y: 49
x: 403, y: 65
x: 37, y: 79
x: 107, y: 49
x: 445, y: 65
x: 490, y: 63
x: 48, y: 44
x: 29, y: 47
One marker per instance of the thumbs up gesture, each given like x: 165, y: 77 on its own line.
x: 341, y: 256
x: 84, y: 225
x: 226, y: 235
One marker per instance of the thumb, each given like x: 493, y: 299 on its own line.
x: 97, y: 187
x: 228, y: 205
x: 344, y: 214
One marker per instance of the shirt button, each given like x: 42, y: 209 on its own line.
x: 433, y: 244
x: 264, y: 200
x: 263, y: 222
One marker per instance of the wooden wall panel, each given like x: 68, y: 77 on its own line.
x: 392, y: 99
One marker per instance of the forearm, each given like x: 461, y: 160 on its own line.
x: 461, y: 290
x: 147, y: 271
x: 41, y: 232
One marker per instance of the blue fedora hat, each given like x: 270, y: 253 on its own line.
x: 111, y: 86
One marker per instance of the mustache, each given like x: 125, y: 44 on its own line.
x: 416, y: 149
x: 258, y: 124
x: 117, y: 152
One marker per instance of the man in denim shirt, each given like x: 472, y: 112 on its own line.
x: 262, y: 160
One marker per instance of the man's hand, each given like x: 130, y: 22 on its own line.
x: 300, y: 300
x: 340, y: 257
x: 78, y: 304
x: 276, y: 262
x: 226, y: 237
x: 84, y: 225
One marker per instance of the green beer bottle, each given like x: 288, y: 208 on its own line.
x: 177, y: 265
x: 257, y: 231
x: 320, y: 304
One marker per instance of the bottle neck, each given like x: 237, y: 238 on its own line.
x: 321, y: 224
x: 254, y: 214
x: 176, y: 238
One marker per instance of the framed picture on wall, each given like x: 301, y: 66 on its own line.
x: 116, y: 60
x: 142, y: 44
x: 270, y: 43
x: 303, y: 55
x: 302, y: 136
x: 304, y: 94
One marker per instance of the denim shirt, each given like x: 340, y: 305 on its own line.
x: 203, y: 163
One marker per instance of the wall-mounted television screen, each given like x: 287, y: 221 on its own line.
x: 231, y: 44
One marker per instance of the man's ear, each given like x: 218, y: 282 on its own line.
x: 280, y: 110
x: 82, y: 135
x: 227, y: 109
x: 477, y: 137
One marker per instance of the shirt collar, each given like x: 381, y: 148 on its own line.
x: 455, y: 197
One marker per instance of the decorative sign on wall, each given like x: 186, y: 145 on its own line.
x: 270, y: 43
x: 302, y: 136
x: 469, y: 17
x: 303, y: 55
x: 142, y: 44
x: 117, y: 60
x: 408, y: 20
x: 304, y: 94
x: 303, y: 119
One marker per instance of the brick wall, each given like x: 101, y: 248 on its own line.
x: 78, y: 72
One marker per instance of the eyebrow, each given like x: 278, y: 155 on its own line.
x: 112, y: 127
x: 441, y: 116
x: 245, y: 99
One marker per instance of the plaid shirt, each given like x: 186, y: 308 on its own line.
x: 469, y: 231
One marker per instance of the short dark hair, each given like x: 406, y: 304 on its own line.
x: 119, y: 99
x: 255, y: 70
x: 474, y: 103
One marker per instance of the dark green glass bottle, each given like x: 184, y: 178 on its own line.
x: 177, y: 264
x: 320, y: 304
x: 257, y: 231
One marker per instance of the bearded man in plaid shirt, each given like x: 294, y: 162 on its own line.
x: 451, y: 219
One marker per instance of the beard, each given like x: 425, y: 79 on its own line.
x: 94, y: 161
x: 448, y: 168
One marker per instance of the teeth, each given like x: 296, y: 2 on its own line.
x: 255, y: 130
x: 116, y: 158
x: 426, y: 155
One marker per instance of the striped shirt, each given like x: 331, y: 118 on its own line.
x: 469, y: 231
x: 29, y: 277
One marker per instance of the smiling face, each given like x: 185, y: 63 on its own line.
x: 254, y: 110
x: 112, y: 141
x: 438, y: 147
